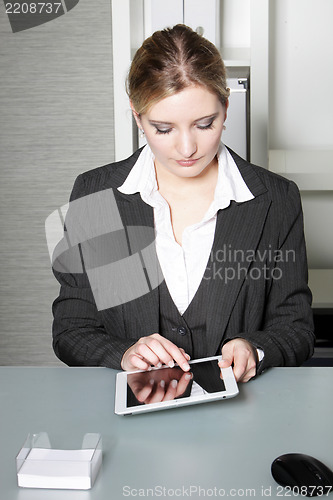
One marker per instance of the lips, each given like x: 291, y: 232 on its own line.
x: 187, y: 163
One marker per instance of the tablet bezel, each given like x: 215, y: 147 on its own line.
x: 231, y: 390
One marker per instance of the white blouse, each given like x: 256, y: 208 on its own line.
x: 183, y: 266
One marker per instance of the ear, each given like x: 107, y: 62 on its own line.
x: 136, y: 116
x: 226, y: 109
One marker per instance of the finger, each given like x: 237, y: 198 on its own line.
x: 177, y: 354
x: 183, y: 383
x: 132, y: 360
x: 187, y: 356
x: 158, y: 394
x: 144, y: 393
x: 136, y: 363
x: 148, y: 354
x: 168, y: 352
x: 227, y: 356
x: 137, y: 381
x: 225, y: 362
x: 172, y: 373
x: 161, y: 355
x: 171, y: 391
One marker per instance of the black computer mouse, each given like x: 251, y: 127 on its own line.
x: 297, y: 470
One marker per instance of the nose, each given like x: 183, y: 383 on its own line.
x: 186, y: 144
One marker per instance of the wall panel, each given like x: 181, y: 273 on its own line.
x: 56, y: 99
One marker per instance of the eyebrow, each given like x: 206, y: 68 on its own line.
x: 213, y: 116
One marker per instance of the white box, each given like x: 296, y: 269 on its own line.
x: 40, y: 466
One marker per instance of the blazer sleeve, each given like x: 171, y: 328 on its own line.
x: 287, y: 334
x: 79, y: 334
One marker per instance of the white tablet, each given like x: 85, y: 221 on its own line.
x: 163, y: 388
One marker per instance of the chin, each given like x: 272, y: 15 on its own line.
x: 187, y: 172
x: 190, y: 171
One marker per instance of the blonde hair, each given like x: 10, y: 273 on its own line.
x: 171, y: 60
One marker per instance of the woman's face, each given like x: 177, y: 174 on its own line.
x: 184, y: 131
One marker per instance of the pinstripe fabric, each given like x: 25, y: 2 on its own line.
x: 188, y: 330
x: 246, y: 295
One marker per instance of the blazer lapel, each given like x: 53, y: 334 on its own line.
x: 133, y: 210
x: 238, y: 232
x: 138, y: 220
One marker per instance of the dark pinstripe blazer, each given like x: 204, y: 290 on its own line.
x: 260, y: 242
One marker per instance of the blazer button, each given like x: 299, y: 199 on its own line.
x: 181, y: 330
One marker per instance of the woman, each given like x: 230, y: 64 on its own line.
x: 228, y: 236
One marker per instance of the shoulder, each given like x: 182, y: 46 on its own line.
x: 260, y: 180
x: 108, y: 176
x: 273, y: 181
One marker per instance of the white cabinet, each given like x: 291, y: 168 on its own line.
x: 204, y: 18
x: 162, y: 14
x: 201, y: 16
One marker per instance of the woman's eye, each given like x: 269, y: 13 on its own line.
x: 163, y: 131
x: 206, y: 127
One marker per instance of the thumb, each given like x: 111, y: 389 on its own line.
x: 225, y: 362
x: 227, y: 357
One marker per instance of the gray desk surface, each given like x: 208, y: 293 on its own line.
x: 227, y: 445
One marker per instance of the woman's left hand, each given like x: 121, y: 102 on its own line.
x: 244, y: 357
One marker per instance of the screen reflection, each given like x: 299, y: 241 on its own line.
x: 166, y: 384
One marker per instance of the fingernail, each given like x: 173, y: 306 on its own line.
x: 174, y: 383
x: 151, y: 381
x: 159, y: 365
x: 162, y: 384
x: 188, y: 376
x: 171, y: 364
x: 186, y: 366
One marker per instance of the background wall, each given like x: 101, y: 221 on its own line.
x: 56, y: 122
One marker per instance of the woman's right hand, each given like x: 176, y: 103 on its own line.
x: 154, y: 350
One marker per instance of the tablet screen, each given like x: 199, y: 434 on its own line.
x: 166, y: 384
